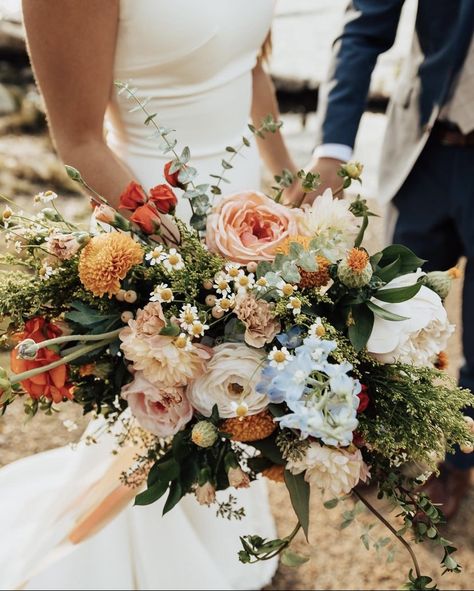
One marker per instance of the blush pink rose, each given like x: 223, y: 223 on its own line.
x: 249, y: 227
x: 161, y: 411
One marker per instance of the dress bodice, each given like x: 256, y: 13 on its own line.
x: 193, y: 59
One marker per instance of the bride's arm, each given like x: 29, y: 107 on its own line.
x: 273, y: 149
x: 72, y: 49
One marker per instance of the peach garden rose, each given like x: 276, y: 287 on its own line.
x: 249, y: 227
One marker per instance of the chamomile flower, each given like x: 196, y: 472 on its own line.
x: 197, y: 329
x: 183, y: 342
x: 295, y: 305
x: 279, y: 357
x: 162, y: 293
x: 233, y: 270
x: 173, y: 261
x: 70, y: 425
x: 221, y: 284
x: 156, y: 256
x: 240, y: 408
x: 187, y: 316
x: 46, y: 271
x: 261, y: 284
x: 317, y: 330
x: 225, y: 304
x: 18, y: 246
x: 285, y: 289
x: 244, y: 282
x: 45, y: 197
x: 6, y: 216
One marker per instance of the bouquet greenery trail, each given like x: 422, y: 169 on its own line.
x: 276, y: 346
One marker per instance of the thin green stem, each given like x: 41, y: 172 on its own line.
x: 389, y: 526
x: 78, y: 337
x: 67, y: 359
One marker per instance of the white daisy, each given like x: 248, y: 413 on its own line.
x: 173, y: 261
x: 197, y: 329
x: 221, y: 284
x: 162, y: 293
x: 46, y: 271
x: 317, y: 330
x: 285, y: 289
x: 187, y: 316
x: 279, y: 357
x: 157, y: 255
x: 261, y: 284
x: 225, y: 304
x: 244, y: 282
x: 233, y: 270
x: 295, y: 305
x: 45, y: 197
x: 183, y: 342
x: 240, y: 408
x: 18, y: 246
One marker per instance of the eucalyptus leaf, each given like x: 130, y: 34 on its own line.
x: 170, y: 330
x: 292, y: 559
x: 290, y: 273
x: 307, y: 261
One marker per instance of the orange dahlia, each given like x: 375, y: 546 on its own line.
x: 275, y: 473
x: 250, y: 428
x: 107, y: 259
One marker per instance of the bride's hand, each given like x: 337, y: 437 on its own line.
x: 327, y: 168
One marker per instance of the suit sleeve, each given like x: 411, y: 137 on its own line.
x: 370, y: 29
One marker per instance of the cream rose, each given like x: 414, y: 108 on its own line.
x: 162, y: 411
x: 230, y: 381
x: 249, y: 227
x: 420, y: 338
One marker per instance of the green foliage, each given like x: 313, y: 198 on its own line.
x: 416, y: 411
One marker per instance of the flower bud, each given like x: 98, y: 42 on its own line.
x: 355, y: 270
x: 205, y: 494
x: 467, y: 448
x: 27, y: 349
x: 237, y: 477
x: 126, y: 316
x: 51, y: 214
x: 353, y: 170
x: 470, y: 423
x: 130, y: 296
x: 441, y: 281
x: 82, y: 237
x: 204, y: 434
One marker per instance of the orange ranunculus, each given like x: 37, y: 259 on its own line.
x: 172, y: 177
x: 52, y: 384
x: 164, y: 198
x: 147, y: 218
x: 134, y: 196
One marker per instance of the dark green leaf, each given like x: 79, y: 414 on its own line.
x: 331, y: 503
x: 361, y: 327
x: 386, y: 274
x: 152, y: 494
x: 299, y: 491
x: 174, y: 497
x: 385, y: 314
x: 268, y: 448
x: 398, y: 294
x: 163, y: 472
x: 409, y: 262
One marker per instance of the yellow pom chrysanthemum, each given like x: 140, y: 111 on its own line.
x: 106, y: 260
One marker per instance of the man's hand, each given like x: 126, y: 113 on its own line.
x: 327, y: 168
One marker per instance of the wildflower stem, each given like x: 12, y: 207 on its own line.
x: 67, y: 359
x: 78, y: 337
x: 389, y: 526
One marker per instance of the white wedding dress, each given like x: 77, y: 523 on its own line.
x: 193, y: 58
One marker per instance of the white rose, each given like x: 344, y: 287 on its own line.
x: 420, y: 338
x: 229, y: 381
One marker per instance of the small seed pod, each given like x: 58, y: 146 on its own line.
x: 217, y: 313
x: 120, y: 295
x: 210, y: 300
x: 252, y: 267
x: 126, y: 316
x: 207, y: 284
x: 130, y: 296
x: 467, y: 448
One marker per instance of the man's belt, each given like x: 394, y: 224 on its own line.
x: 448, y: 134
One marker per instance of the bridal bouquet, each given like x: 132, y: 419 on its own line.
x: 276, y: 347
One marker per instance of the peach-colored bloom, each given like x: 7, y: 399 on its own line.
x: 205, y: 494
x: 162, y: 411
x: 63, y: 246
x: 259, y: 319
x: 160, y: 357
x: 238, y: 478
x: 249, y: 227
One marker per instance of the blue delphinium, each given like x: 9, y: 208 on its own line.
x: 322, y: 396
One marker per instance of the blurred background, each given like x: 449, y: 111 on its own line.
x: 302, y: 36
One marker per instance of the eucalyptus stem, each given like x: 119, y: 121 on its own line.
x: 78, y: 337
x: 67, y: 359
x: 389, y: 526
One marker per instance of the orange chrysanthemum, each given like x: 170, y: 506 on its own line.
x: 275, y: 473
x: 250, y: 428
x: 442, y: 362
x: 314, y: 279
x: 357, y: 259
x: 107, y: 259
